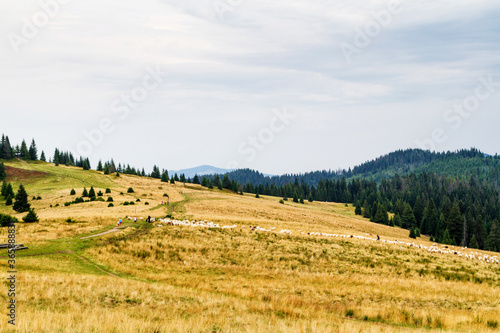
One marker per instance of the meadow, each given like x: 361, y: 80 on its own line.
x: 145, y: 278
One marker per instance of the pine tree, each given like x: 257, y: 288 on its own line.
x: 196, y: 179
x: 3, y: 174
x: 311, y: 199
x: 358, y: 210
x: 397, y: 220
x: 412, y: 233
x: 106, y: 169
x: 301, y: 199
x: 493, y: 239
x: 24, y: 153
x: 6, y: 149
x: 85, y: 193
x: 430, y: 220
x: 156, y: 172
x: 33, y: 151
x: 73, y: 192
x: 3, y: 191
x: 99, y: 166
x: 9, y: 191
x: 21, y: 204
x: 172, y: 180
x: 31, y: 217
x: 381, y: 214
x: 418, y: 210
x: 164, y: 176
x: 454, y: 223
x: 176, y: 178
x: 446, y: 238
x: 295, y: 197
x: 56, y: 157
x: 92, y: 192
x: 42, y: 157
x: 408, y: 219
x: 183, y: 179
x: 473, y: 243
x: 366, y: 210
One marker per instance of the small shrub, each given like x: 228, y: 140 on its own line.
x: 147, y: 203
x: 110, y: 199
x: 100, y: 199
x: 31, y: 217
x: 165, y: 194
x: 73, y: 192
x: 130, y: 190
x: 111, y: 204
x: 66, y: 204
x: 79, y: 200
x: 493, y: 324
x: 5, y: 220
x: 282, y: 202
x: 126, y: 203
x: 108, y: 191
x: 100, y: 194
x: 349, y: 313
x: 57, y: 205
x: 34, y: 198
x: 93, y: 199
x: 131, y: 203
x: 138, y: 200
x: 38, y: 198
x: 121, y: 193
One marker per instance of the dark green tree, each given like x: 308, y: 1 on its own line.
x: 311, y: 199
x: 31, y: 217
x: 295, y: 197
x: 408, y: 219
x: 24, y: 153
x: 106, y: 169
x: 358, y: 210
x: 99, y: 166
x: 6, y: 149
x: 183, y: 179
x: 42, y: 157
x: 3, y: 191
x: 33, y: 151
x: 176, y: 178
x: 92, y: 192
x: 446, y: 238
x: 85, y: 193
x: 164, y: 176
x: 454, y: 223
x: 430, y: 220
x: 366, y: 210
x: 493, y: 241
x: 196, y: 179
x: 21, y: 203
x: 412, y: 233
x: 3, y: 174
x: 473, y: 243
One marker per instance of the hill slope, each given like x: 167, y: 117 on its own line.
x: 146, y: 278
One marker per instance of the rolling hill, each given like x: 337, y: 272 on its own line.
x: 294, y: 276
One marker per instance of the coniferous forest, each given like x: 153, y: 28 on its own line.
x: 453, y: 197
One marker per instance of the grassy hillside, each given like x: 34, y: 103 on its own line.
x: 146, y: 278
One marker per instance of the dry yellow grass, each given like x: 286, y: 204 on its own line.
x: 180, y: 279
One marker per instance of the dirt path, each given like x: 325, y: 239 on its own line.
x: 116, y: 229
x: 99, y: 268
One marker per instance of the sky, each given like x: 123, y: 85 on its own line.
x: 277, y: 86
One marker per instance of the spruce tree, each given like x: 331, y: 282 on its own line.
x: 106, y: 169
x: 85, y: 193
x: 99, y: 166
x: 21, y: 204
x: 33, y: 151
x: 408, y: 219
x: 204, y: 182
x: 431, y: 219
x: 196, y: 180
x: 10, y: 191
x: 446, y: 238
x: 42, y: 157
x: 295, y: 197
x: 493, y: 239
x: 311, y: 199
x: 31, y: 217
x: 176, y: 178
x: 164, y: 176
x: 92, y: 192
x: 3, y: 191
x: 301, y: 199
x: 366, y: 210
x: 183, y: 179
x: 412, y: 233
x: 358, y: 210
x: 172, y: 180
x: 473, y: 243
x: 7, y: 149
x: 454, y: 223
x: 3, y: 174
x: 25, y: 155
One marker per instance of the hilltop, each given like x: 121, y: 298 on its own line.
x: 144, y: 278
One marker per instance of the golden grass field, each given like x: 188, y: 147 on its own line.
x: 144, y: 278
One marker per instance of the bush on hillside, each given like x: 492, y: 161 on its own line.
x: 31, y: 217
x: 130, y: 190
x: 73, y: 192
x: 5, y: 220
x: 108, y: 191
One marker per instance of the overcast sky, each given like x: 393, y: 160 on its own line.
x: 277, y: 86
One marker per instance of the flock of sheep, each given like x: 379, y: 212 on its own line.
x: 443, y: 249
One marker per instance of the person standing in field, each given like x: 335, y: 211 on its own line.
x: 135, y: 220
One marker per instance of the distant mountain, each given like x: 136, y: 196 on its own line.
x: 200, y: 171
x: 457, y: 164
